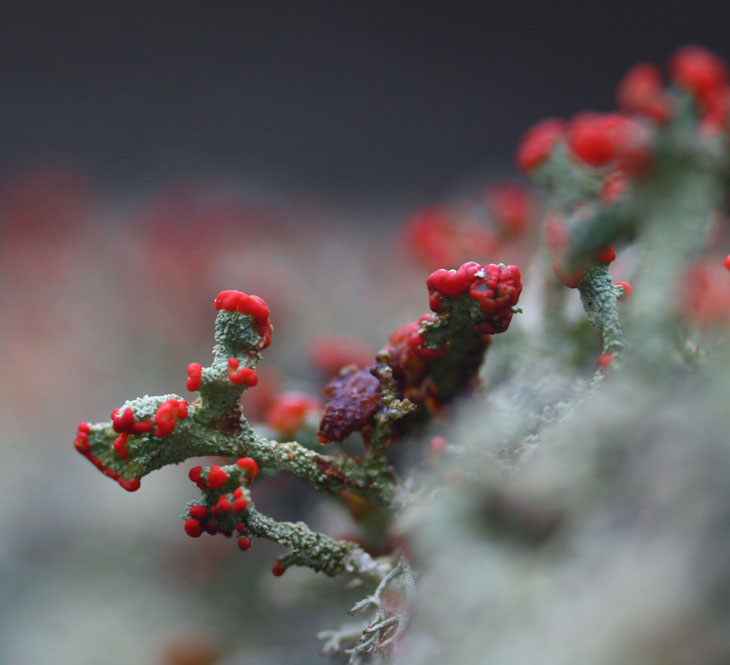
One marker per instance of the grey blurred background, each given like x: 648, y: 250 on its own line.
x: 344, y: 99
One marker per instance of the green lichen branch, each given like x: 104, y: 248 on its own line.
x: 215, y: 426
x: 315, y: 550
x: 599, y: 296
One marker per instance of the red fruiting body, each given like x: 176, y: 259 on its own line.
x: 641, y: 91
x: 289, y: 412
x: 451, y: 282
x: 210, y: 527
x: 538, y: 142
x: 194, y: 474
x: 726, y: 262
x: 82, y: 438
x: 81, y: 443
x: 599, y: 139
x: 239, y: 505
x: 120, y: 444
x: 240, y: 526
x: 407, y: 356
x: 250, y: 465
x: 568, y: 279
x: 125, y: 423
x: 130, y: 485
x: 198, y: 512
x: 244, y: 543
x: 277, y: 568
x: 167, y: 415
x: 195, y: 375
x: 223, y: 504
x: 236, y: 301
x: 217, y: 477
x: 606, y: 254
x: 265, y: 332
x: 238, y: 493
x: 410, y: 333
x: 243, y: 375
x: 193, y: 528
x: 628, y: 290
x: 698, y: 70
x: 496, y: 288
x: 605, y: 360
x: 510, y: 205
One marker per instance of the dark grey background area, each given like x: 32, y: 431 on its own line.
x: 356, y: 100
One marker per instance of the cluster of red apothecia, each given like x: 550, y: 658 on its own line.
x: 171, y: 411
x: 236, y: 301
x: 355, y: 395
x: 221, y: 511
x: 446, y: 235
x: 496, y: 288
x: 618, y: 145
x: 81, y: 443
x: 123, y: 422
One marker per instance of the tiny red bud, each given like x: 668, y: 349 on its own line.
x: 193, y: 527
x: 244, y: 375
x: 244, y: 543
x: 130, y: 485
x: 217, y: 477
x: 249, y: 464
x: 605, y: 360
x: 198, y: 512
x: 628, y: 290
x: 277, y: 568
x: 606, y: 255
x: 120, y: 444
x: 239, y: 505
x: 194, y: 474
x: 195, y: 375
